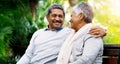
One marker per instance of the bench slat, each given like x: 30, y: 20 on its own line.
x: 111, y: 52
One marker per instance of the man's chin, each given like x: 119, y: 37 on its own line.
x: 55, y: 27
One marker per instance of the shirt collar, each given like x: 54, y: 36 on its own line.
x: 57, y: 29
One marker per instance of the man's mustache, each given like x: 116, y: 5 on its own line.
x: 57, y: 21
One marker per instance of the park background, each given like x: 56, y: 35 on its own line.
x: 19, y: 19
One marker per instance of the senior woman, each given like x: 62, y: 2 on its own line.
x: 81, y: 47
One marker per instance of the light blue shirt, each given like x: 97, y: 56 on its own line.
x: 44, y: 46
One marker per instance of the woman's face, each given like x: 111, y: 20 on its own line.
x: 75, y: 20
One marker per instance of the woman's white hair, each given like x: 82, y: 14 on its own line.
x: 84, y: 8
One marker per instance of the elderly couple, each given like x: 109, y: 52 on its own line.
x: 60, y: 45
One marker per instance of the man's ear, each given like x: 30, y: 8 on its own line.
x: 81, y: 16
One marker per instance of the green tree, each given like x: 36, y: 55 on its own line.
x: 17, y: 26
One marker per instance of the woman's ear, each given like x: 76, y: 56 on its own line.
x: 81, y: 16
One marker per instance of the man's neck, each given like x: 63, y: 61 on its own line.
x: 54, y: 29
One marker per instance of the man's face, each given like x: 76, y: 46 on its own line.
x: 55, y: 18
x: 74, y: 20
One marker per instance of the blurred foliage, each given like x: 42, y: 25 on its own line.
x: 17, y: 27
x: 107, y: 14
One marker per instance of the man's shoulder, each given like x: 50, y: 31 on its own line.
x: 38, y: 31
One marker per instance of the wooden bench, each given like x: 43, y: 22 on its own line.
x: 110, y: 55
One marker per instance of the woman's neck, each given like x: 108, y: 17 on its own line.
x: 80, y: 26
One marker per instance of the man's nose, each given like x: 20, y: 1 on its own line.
x: 57, y: 18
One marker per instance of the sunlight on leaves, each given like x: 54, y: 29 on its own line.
x: 107, y: 14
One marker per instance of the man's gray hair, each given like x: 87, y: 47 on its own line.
x: 55, y: 6
x: 86, y: 9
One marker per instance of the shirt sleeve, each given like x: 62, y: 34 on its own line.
x: 25, y: 59
x: 91, y: 49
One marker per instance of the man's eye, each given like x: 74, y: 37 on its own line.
x: 54, y: 15
x: 60, y: 16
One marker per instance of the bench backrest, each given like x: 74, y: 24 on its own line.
x: 110, y: 55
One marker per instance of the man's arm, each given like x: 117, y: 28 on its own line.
x: 25, y: 59
x: 98, y: 31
